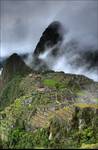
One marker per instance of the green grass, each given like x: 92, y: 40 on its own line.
x: 50, y: 82
x: 53, y: 83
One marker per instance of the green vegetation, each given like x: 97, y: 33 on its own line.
x: 11, y: 91
x: 60, y: 137
x: 41, y: 111
x: 19, y: 139
x: 89, y: 146
x: 53, y: 83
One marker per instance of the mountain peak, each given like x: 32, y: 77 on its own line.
x: 13, y: 61
x: 13, y: 65
x: 52, y: 35
x: 14, y: 56
x: 56, y: 25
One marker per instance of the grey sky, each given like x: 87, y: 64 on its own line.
x: 23, y: 21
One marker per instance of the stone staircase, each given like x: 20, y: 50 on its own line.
x: 42, y: 117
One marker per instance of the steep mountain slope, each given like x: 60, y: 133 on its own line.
x: 55, y: 110
x: 53, y: 35
x: 50, y: 40
x: 14, y: 69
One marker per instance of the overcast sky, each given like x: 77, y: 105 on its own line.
x: 23, y: 21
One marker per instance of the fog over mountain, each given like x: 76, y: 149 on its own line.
x: 23, y: 22
x: 68, y: 56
